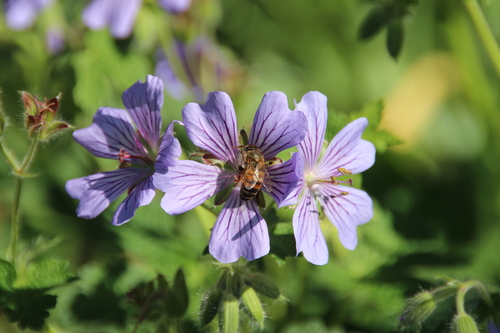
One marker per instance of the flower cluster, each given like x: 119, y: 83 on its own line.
x: 235, y: 169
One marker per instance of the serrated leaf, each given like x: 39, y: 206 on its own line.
x: 28, y: 307
x: 45, y: 273
x: 7, y: 275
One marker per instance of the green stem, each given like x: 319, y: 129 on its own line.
x: 484, y: 32
x: 29, y: 157
x: 19, y: 173
x: 468, y: 285
x: 9, y: 158
x: 15, y: 226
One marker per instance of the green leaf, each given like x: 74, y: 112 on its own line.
x: 45, y: 273
x: 376, y: 19
x: 380, y: 138
x: 103, y: 73
x: 395, y: 36
x: 7, y: 275
x: 28, y: 307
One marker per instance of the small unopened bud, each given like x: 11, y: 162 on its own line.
x: 464, y: 323
x: 419, y: 308
x: 30, y: 103
x: 253, y: 305
x: 443, y: 292
x: 229, y: 321
x: 263, y: 285
x: 210, y: 306
x: 53, y: 128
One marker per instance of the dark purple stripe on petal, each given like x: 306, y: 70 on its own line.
x: 314, y: 106
x: 97, y: 191
x: 239, y: 231
x: 144, y: 102
x: 111, y: 130
x: 142, y: 194
x: 347, y: 150
x: 188, y: 184
x: 275, y: 127
x: 212, y: 127
x: 346, y: 212
x: 308, y: 236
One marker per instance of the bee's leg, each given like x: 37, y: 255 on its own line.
x: 274, y: 161
x: 261, y: 201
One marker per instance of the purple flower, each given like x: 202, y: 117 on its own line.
x: 240, y: 230
x: 345, y: 207
x: 131, y: 137
x: 175, y: 6
x: 120, y: 15
x: 492, y: 328
x: 20, y: 14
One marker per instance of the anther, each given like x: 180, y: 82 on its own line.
x: 344, y: 171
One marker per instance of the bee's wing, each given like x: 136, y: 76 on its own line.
x: 267, y: 181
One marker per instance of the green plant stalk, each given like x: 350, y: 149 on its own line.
x: 19, y: 173
x: 468, y: 285
x: 484, y: 32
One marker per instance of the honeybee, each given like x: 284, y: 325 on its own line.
x: 253, y: 173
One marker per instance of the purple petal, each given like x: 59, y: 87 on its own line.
x: 293, y: 195
x: 175, y: 6
x: 239, y: 231
x: 20, y: 14
x: 308, y: 236
x: 119, y: 15
x: 492, y: 328
x: 347, y: 150
x: 142, y: 194
x: 97, y: 191
x: 212, y: 127
x: 111, y: 130
x: 313, y: 105
x: 275, y: 127
x: 346, y: 212
x: 164, y: 70
x: 54, y: 39
x: 143, y: 102
x: 170, y: 150
x: 188, y: 184
x: 284, y: 178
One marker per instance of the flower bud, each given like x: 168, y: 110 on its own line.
x: 253, y: 305
x: 419, y: 308
x: 53, y: 128
x: 263, y: 285
x: 464, y: 323
x: 229, y: 321
x: 210, y: 306
x: 30, y: 103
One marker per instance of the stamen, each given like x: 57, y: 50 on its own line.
x: 344, y: 171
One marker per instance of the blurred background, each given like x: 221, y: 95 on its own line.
x: 435, y: 119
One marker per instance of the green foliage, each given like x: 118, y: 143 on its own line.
x: 101, y: 69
